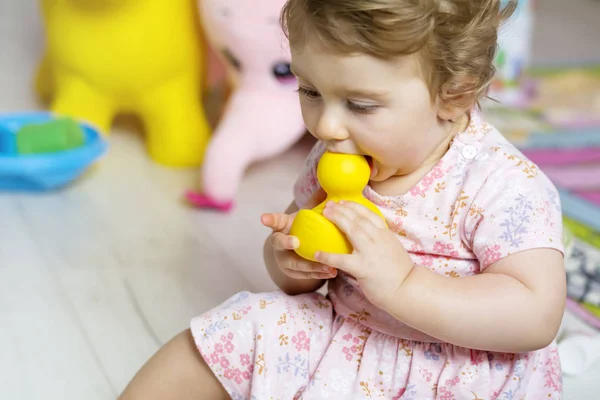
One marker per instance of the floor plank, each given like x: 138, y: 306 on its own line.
x: 45, y: 343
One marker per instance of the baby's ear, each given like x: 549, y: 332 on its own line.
x: 456, y: 97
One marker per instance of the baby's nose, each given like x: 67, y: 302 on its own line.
x: 331, y: 128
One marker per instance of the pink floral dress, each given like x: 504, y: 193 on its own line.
x: 481, y: 202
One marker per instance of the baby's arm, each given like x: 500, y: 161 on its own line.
x: 516, y: 305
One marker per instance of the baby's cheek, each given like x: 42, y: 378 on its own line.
x: 402, y: 153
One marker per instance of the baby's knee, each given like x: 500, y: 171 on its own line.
x: 176, y: 371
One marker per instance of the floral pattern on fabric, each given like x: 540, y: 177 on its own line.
x: 483, y: 201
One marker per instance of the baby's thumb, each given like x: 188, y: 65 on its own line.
x: 278, y: 222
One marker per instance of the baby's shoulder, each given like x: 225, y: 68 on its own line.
x: 507, y: 203
x: 497, y: 163
x: 500, y: 180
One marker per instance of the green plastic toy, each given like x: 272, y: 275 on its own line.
x: 50, y: 137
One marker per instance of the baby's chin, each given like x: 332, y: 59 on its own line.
x: 381, y: 173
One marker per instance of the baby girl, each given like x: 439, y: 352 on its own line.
x: 460, y: 296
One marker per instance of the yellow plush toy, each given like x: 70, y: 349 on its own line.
x: 146, y: 57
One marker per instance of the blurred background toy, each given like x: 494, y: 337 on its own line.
x: 143, y: 57
x: 39, y: 152
x: 262, y: 117
x: 513, y: 57
x: 580, y: 348
x: 578, y: 344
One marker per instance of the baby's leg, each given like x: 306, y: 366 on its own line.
x: 176, y: 371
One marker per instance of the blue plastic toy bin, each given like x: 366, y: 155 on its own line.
x: 42, y: 172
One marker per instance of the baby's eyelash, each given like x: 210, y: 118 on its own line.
x: 311, y: 94
x: 362, y: 108
x: 354, y: 107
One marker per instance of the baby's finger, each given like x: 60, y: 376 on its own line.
x: 360, y: 231
x: 365, y: 213
x: 311, y: 275
x: 361, y: 217
x: 280, y: 241
x: 299, y: 264
x: 279, y: 222
x: 344, y: 262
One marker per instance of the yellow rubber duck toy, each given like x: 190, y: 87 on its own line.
x: 342, y: 177
x: 143, y: 57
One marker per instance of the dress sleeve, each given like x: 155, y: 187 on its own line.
x: 516, y: 209
x: 307, y: 183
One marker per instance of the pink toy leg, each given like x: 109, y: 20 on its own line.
x: 202, y: 201
x: 256, y: 126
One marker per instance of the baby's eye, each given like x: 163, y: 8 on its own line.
x: 310, y: 94
x: 362, y: 108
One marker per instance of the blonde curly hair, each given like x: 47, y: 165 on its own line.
x: 456, y: 40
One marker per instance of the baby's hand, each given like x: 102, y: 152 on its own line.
x: 379, y: 262
x: 283, y: 245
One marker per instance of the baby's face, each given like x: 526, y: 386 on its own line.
x: 359, y: 104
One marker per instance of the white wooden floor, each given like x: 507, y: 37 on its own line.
x: 94, y: 278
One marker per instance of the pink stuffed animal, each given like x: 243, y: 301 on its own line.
x: 263, y: 116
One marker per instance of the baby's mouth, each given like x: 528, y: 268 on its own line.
x: 372, y: 166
